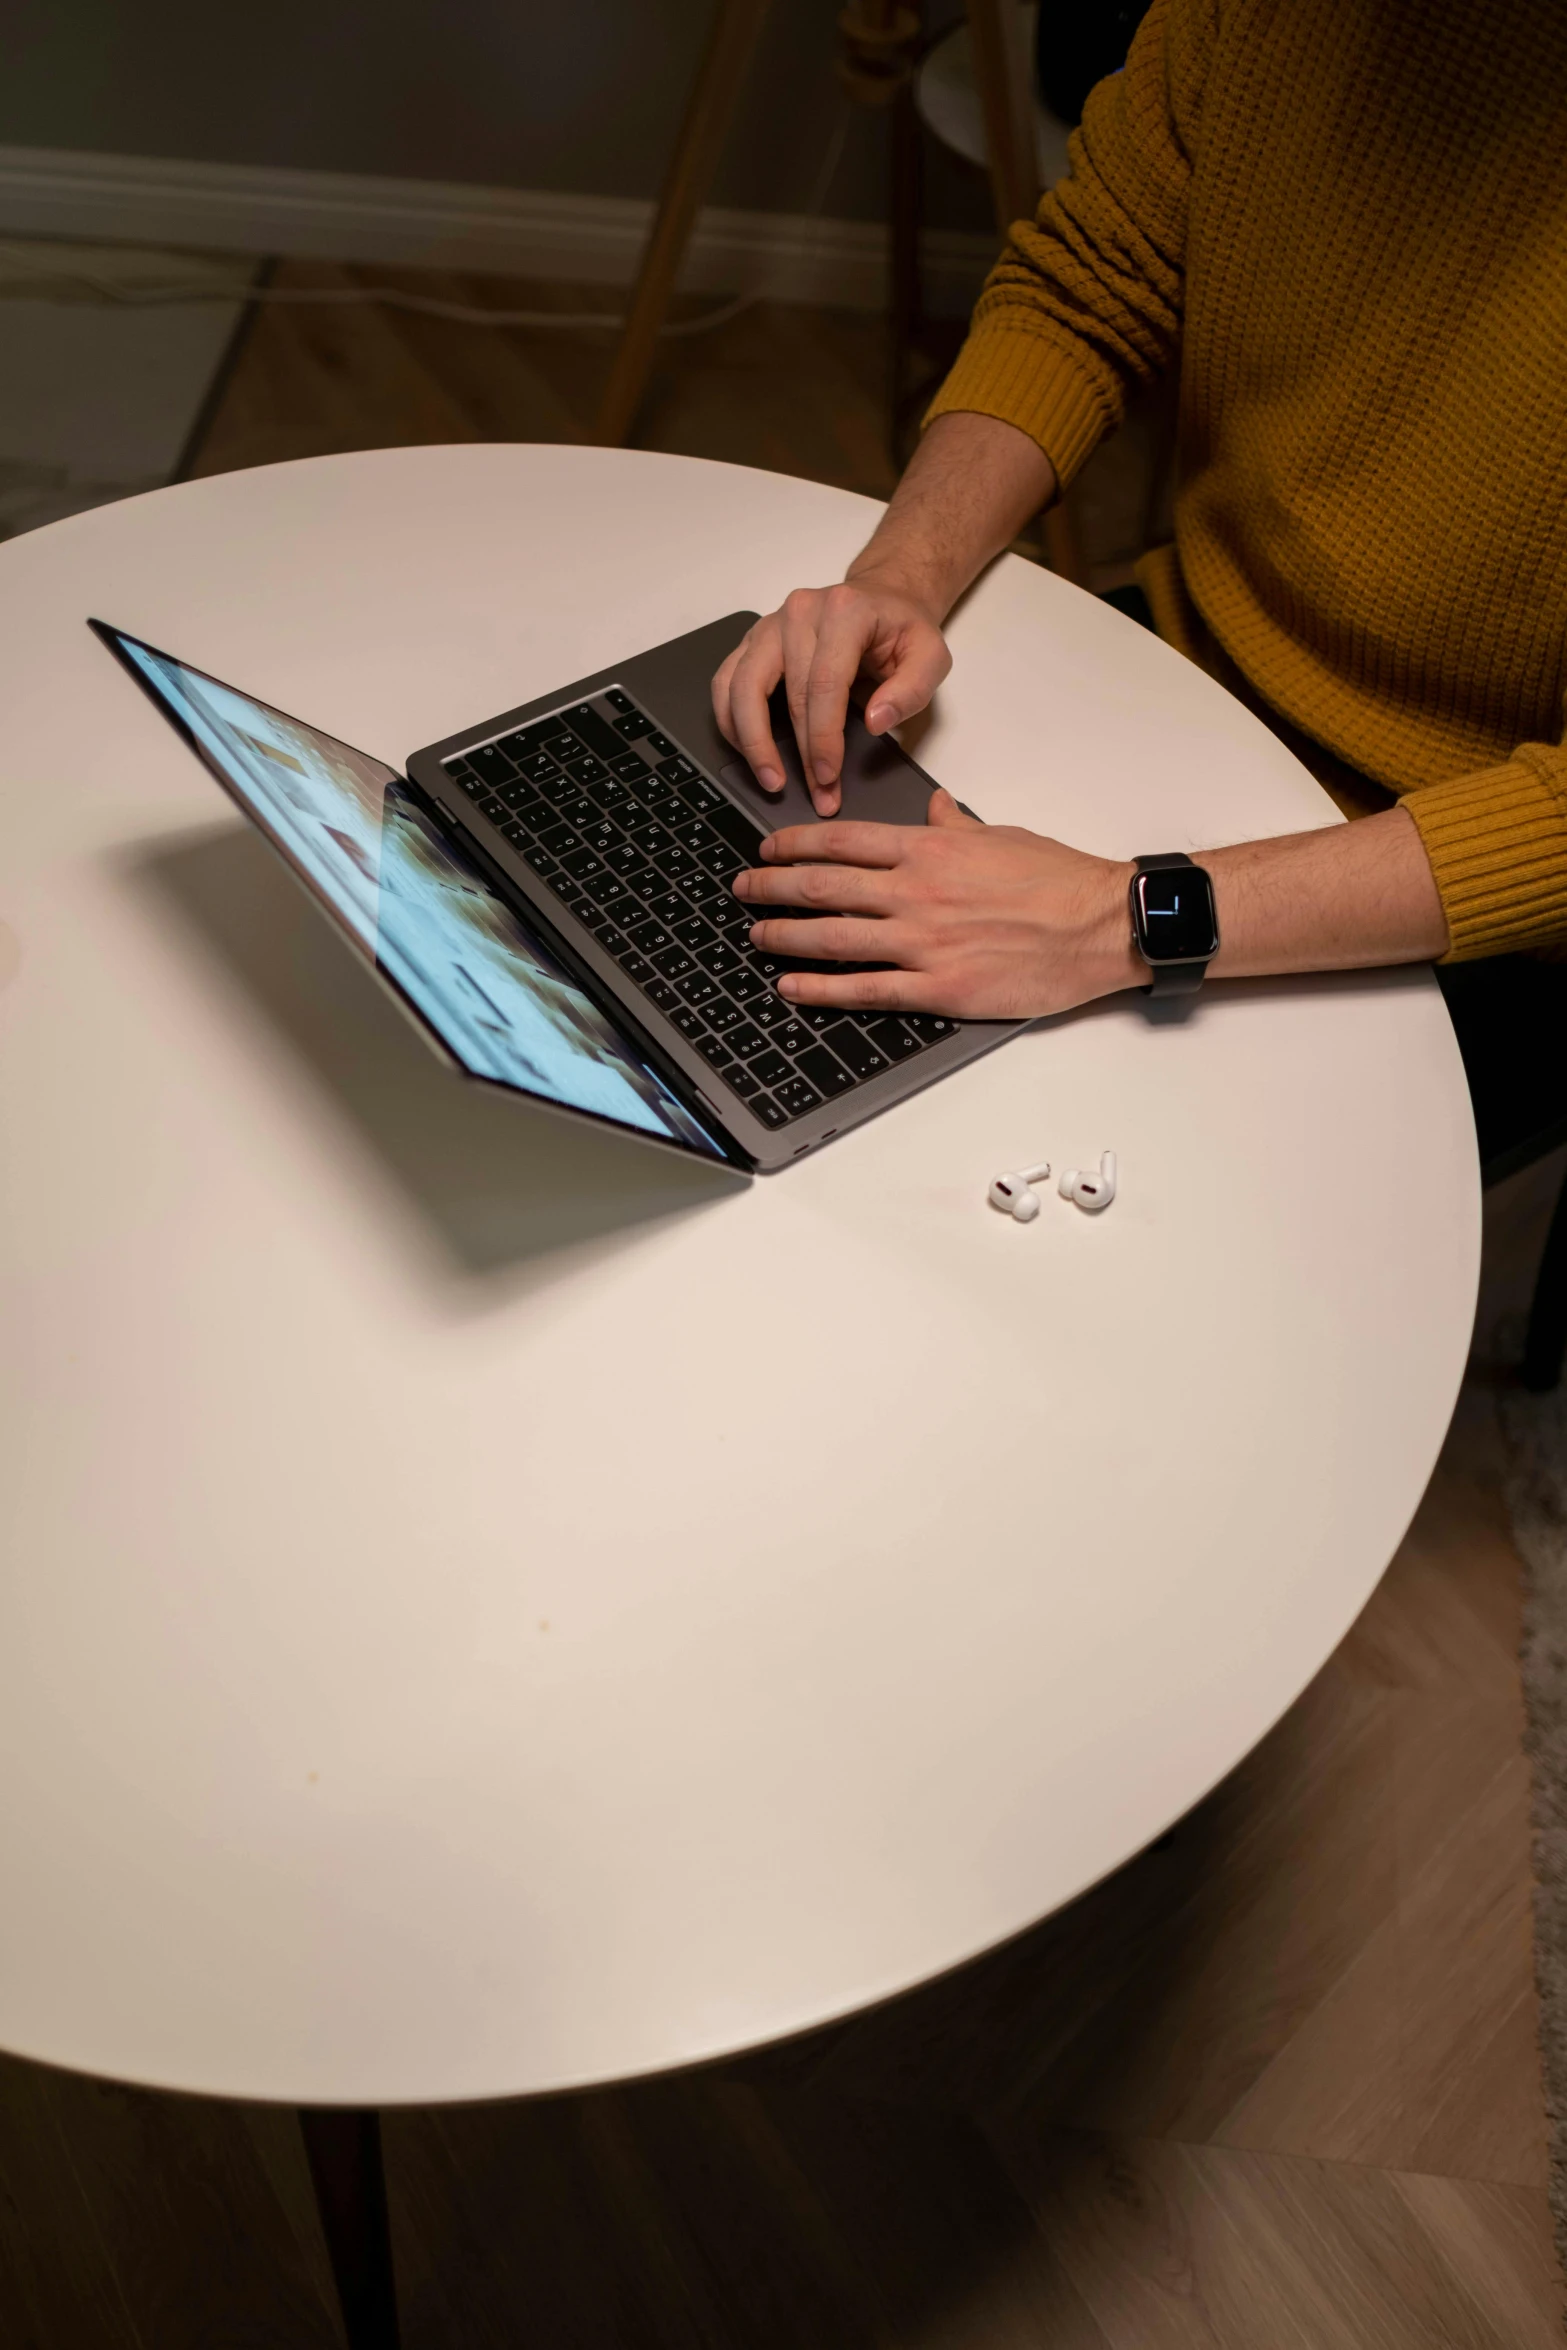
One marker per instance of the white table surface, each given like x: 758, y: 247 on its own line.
x: 484, y: 1608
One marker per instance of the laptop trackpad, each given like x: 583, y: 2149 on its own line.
x: 881, y: 784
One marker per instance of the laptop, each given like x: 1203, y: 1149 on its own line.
x: 548, y: 895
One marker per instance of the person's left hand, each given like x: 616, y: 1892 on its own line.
x: 979, y: 921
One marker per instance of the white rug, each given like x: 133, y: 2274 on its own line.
x: 98, y: 396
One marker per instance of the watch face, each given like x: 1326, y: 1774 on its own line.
x: 1173, y: 910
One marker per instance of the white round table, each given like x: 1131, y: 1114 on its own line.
x: 484, y: 1608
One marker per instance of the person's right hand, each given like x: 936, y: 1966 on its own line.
x: 819, y: 641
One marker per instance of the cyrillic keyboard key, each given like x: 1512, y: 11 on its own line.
x: 928, y: 1027
x: 713, y: 1048
x: 768, y: 1111
x: 648, y: 936
x: 741, y: 1081
x: 792, y: 1036
x: 527, y: 739
x: 590, y: 728
x: 796, y: 1096
x: 633, y: 726
x: 492, y: 763
x: 893, y: 1038
x: 723, y: 1015
x: 748, y: 1039
x: 771, y: 1067
x: 689, y: 1022
x: 741, y: 834
x: 694, y: 934
x: 855, y: 1049
x: 582, y: 861
x: 825, y: 1071
x: 673, y: 963
x: 698, y: 989
x: 659, y: 991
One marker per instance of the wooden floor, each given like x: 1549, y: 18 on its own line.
x: 1274, y: 2087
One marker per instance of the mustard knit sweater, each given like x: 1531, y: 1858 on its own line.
x: 1345, y: 223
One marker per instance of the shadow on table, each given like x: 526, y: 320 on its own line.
x: 499, y: 1181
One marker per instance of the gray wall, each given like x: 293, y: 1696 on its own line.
x: 579, y: 96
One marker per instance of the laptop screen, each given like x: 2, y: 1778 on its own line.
x: 491, y: 991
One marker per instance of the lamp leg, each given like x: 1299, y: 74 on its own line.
x: 343, y: 2148
x: 735, y: 33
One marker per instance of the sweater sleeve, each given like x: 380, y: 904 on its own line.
x: 1085, y: 303
x: 1497, y: 841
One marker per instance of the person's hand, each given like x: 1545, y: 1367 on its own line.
x: 978, y: 921
x: 818, y: 642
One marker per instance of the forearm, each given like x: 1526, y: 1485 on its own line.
x: 1343, y: 899
x: 1351, y: 897
x: 970, y: 487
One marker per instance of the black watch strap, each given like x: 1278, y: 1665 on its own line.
x: 1171, y: 978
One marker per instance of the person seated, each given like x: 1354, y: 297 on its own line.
x: 1344, y: 223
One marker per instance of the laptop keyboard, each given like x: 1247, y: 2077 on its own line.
x: 643, y: 848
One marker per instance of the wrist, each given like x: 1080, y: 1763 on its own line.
x: 905, y: 576
x: 1108, y: 950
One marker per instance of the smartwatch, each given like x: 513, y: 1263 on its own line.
x: 1175, y: 926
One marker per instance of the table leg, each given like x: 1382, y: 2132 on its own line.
x: 344, y: 2151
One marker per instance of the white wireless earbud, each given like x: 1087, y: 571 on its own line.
x: 1089, y: 1191
x: 1011, y: 1193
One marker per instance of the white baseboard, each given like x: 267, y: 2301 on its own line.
x: 438, y: 224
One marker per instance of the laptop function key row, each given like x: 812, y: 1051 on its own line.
x: 642, y: 847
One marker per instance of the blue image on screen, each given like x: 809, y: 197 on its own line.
x: 501, y: 1004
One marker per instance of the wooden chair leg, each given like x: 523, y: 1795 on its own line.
x: 736, y: 30
x: 1005, y: 84
x: 1546, y: 1344
x: 1005, y: 87
x: 344, y: 2152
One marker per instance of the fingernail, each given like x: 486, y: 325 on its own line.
x: 769, y: 779
x: 825, y: 771
x: 881, y: 715
x: 741, y: 884
x: 789, y: 989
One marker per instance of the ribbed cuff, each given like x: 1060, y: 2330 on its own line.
x: 1497, y: 841
x: 1028, y: 381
